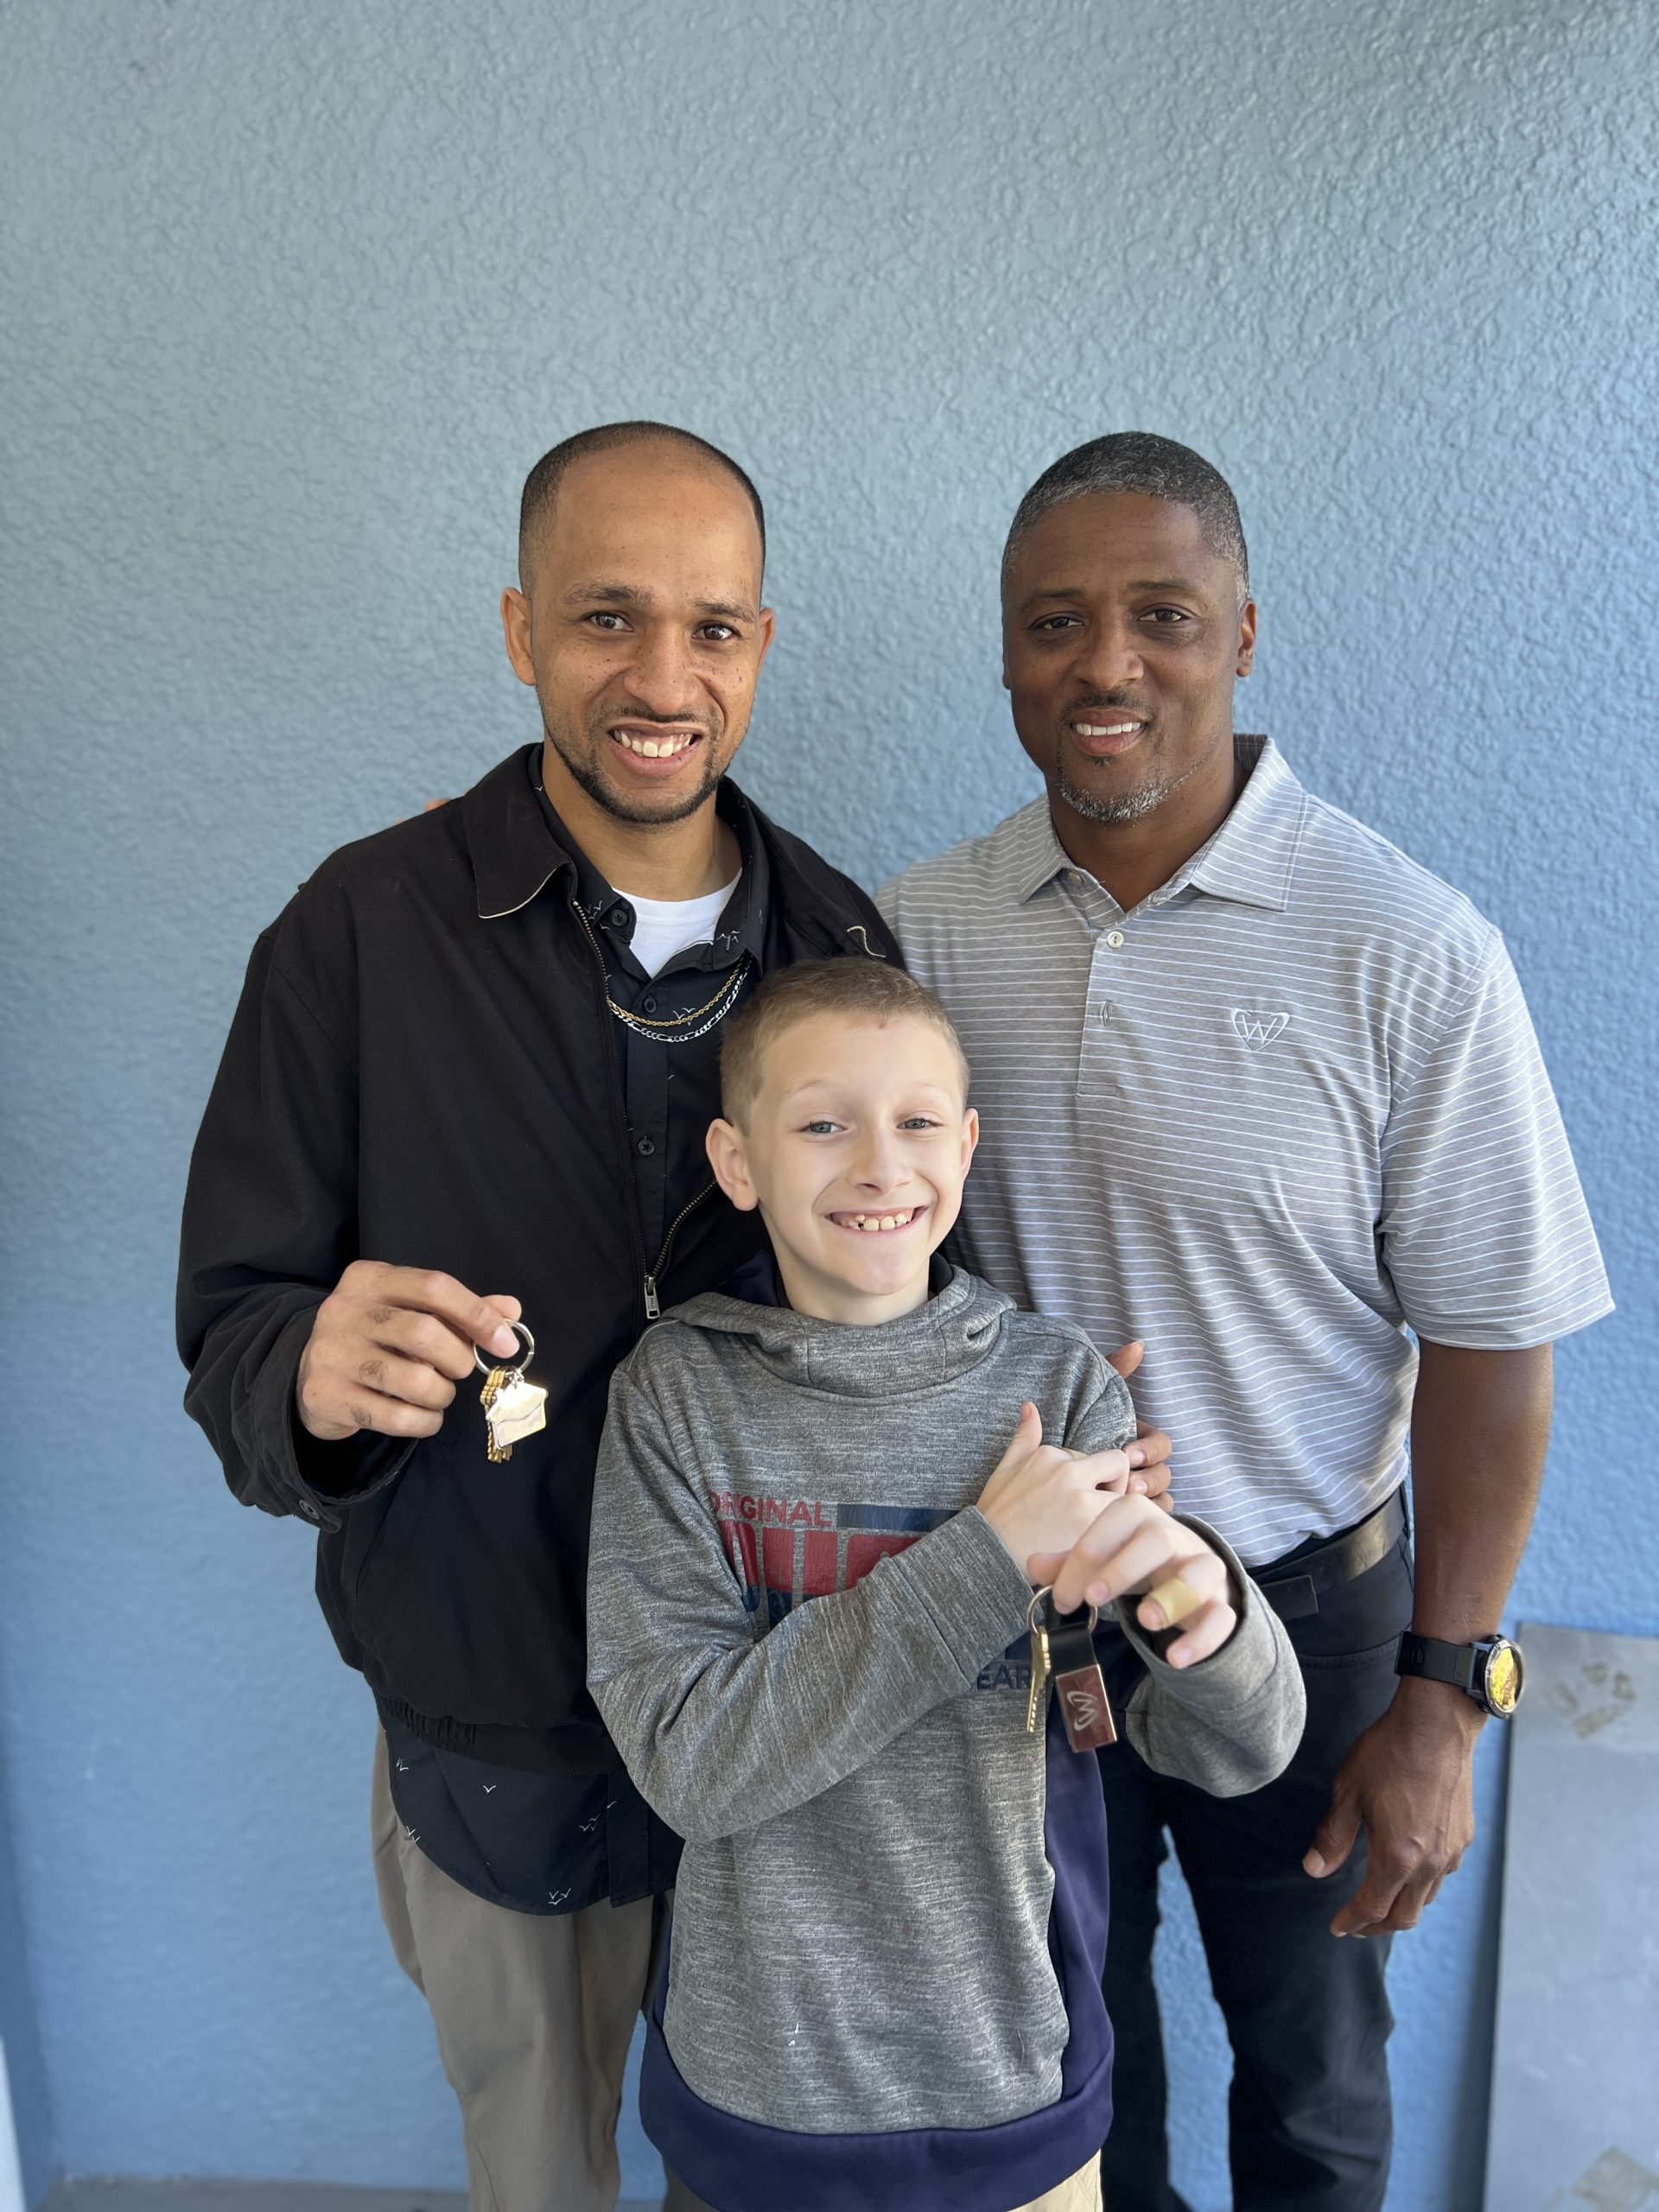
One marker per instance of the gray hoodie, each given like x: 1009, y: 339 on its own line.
x: 806, y: 1641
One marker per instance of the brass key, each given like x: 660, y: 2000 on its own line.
x: 1036, y: 1701
x: 513, y: 1406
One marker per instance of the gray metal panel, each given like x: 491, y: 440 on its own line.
x: 1575, y: 2086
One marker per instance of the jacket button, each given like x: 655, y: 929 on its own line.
x: 618, y: 917
x: 309, y: 1511
x: 645, y: 1147
x: 648, y: 1006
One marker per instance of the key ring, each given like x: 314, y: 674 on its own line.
x: 1048, y: 1591
x: 488, y: 1366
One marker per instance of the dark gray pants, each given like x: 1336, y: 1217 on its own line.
x: 1310, y: 2128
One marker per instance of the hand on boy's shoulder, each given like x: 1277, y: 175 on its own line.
x: 1149, y: 1454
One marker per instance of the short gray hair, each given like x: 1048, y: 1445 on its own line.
x: 1135, y: 460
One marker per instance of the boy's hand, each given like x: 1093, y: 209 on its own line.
x: 1131, y: 1546
x: 1041, y: 1497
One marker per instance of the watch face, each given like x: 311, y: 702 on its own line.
x: 1503, y: 1678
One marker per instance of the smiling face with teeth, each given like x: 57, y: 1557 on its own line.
x: 854, y: 1146
x: 640, y: 625
x: 1123, y: 633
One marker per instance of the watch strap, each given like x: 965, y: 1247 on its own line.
x: 1437, y: 1661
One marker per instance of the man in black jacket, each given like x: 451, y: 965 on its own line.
x: 468, y: 1082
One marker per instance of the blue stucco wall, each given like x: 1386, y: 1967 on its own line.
x: 289, y: 297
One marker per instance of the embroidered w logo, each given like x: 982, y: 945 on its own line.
x: 1256, y: 1030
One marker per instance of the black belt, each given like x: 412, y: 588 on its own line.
x: 1295, y: 1584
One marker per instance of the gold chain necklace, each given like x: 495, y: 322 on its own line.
x: 715, y: 1009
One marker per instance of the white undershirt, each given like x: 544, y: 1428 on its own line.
x: 662, y: 927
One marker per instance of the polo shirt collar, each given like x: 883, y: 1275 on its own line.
x: 1251, y: 858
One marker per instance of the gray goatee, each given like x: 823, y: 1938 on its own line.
x: 1124, y: 806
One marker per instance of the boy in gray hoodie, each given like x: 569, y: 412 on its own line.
x: 814, y: 1550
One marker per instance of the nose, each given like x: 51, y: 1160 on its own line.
x: 876, y: 1166
x: 658, y: 676
x: 1111, y: 656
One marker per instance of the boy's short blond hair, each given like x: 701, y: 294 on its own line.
x: 868, y: 990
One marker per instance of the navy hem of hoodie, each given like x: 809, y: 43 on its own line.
x: 741, y: 2166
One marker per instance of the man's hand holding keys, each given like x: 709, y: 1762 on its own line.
x: 388, y: 1347
x: 1046, y: 1505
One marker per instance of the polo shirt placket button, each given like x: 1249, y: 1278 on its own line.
x: 1114, y: 937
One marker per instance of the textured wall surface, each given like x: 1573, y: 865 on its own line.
x: 291, y: 298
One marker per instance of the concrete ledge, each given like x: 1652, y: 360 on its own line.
x: 255, y: 2196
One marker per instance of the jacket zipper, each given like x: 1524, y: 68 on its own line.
x: 653, y: 1306
x: 651, y: 1277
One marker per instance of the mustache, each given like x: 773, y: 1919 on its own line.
x: 1106, y: 702
x: 606, y: 718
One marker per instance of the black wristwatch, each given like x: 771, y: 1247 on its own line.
x: 1488, y: 1670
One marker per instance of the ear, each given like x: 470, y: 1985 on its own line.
x: 767, y: 630
x: 724, y: 1144
x: 969, y: 1138
x: 1246, y: 637
x: 515, y: 628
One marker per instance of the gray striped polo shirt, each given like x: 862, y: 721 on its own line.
x: 1287, y: 1109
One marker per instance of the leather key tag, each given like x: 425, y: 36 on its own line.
x: 1080, y: 1685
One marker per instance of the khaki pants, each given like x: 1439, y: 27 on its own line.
x: 534, y: 2017
x: 1080, y: 2194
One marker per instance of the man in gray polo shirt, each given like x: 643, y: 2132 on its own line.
x: 1259, y: 1090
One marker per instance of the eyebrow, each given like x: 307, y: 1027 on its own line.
x: 1181, y: 588
x: 828, y: 1083
x: 605, y: 594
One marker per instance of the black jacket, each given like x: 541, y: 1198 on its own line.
x: 423, y: 1071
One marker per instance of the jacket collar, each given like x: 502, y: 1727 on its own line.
x: 514, y: 852
x: 515, y: 855
x: 517, y: 845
